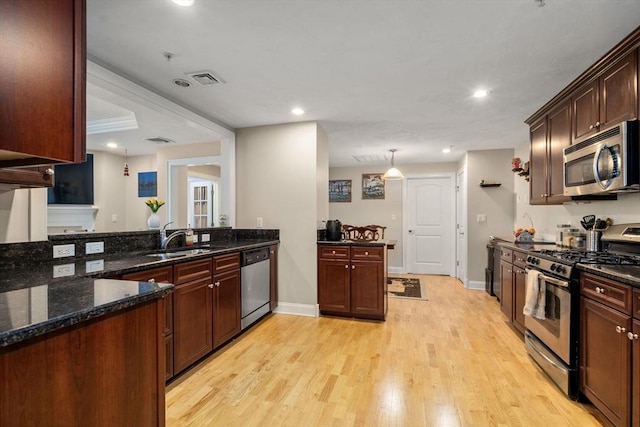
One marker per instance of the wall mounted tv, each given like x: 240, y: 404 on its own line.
x: 73, y: 184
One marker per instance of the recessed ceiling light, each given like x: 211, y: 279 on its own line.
x: 480, y: 93
x: 184, y: 2
x: 181, y: 82
x: 112, y: 145
x: 446, y: 150
x: 298, y: 111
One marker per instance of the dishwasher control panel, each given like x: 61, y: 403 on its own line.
x: 254, y: 256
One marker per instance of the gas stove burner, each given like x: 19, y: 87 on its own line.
x: 584, y: 257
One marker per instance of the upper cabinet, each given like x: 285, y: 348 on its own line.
x: 604, y: 95
x: 42, y: 82
x: 607, y: 100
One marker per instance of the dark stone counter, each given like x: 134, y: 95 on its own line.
x: 629, y: 274
x: 34, y: 301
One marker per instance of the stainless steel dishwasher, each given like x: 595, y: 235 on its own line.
x: 255, y: 277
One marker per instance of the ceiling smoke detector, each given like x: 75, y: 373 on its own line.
x: 181, y: 82
x: 205, y: 78
x: 160, y: 140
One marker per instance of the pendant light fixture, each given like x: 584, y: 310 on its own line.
x: 125, y: 171
x: 393, y: 173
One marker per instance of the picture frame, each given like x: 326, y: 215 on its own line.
x: 148, y: 184
x: 373, y: 186
x: 340, y: 190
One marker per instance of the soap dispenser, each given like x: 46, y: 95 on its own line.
x: 189, y: 236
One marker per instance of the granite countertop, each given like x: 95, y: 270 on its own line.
x: 628, y: 274
x: 34, y: 302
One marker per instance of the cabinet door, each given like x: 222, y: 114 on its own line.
x: 519, y: 288
x: 333, y: 285
x: 538, y: 163
x: 367, y: 288
x: 226, y: 307
x: 559, y: 138
x: 27, y: 177
x: 618, y: 91
x: 585, y: 111
x: 192, y: 319
x: 506, y: 289
x: 43, y: 119
x: 635, y: 393
x: 605, y: 362
x: 273, y: 277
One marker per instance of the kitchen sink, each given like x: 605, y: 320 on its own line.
x: 178, y: 254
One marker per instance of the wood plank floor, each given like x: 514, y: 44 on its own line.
x: 448, y: 361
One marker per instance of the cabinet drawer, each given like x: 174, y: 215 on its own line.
x: 333, y: 252
x: 159, y: 275
x: 188, y: 271
x: 226, y: 262
x: 520, y: 259
x: 506, y: 254
x: 636, y: 303
x: 613, y: 294
x: 367, y: 252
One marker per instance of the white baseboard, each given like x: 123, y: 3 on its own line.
x: 309, y: 310
x: 397, y: 270
x: 475, y: 285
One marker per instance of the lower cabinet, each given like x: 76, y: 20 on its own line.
x: 226, y: 298
x: 273, y: 277
x: 513, y: 286
x: 607, y: 347
x: 506, y: 289
x: 352, y: 281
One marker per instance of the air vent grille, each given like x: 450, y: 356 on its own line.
x: 205, y: 78
x: 371, y: 158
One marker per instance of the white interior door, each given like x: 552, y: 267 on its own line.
x: 430, y: 225
x: 461, y: 221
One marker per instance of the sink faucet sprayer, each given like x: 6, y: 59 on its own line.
x: 164, y: 240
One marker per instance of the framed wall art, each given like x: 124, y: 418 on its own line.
x: 372, y: 186
x: 147, y: 184
x: 340, y: 190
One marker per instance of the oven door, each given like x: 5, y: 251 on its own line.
x: 554, y: 330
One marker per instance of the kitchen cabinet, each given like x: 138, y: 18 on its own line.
x: 161, y: 275
x: 513, y: 286
x: 352, y: 281
x: 606, y: 363
x: 192, y: 312
x: 549, y: 136
x: 226, y: 298
x: 273, y: 277
x: 609, y: 99
x: 42, y: 120
x: 27, y: 177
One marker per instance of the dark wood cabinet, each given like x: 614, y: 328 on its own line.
x: 635, y: 362
x: 226, y: 303
x: 273, y: 277
x: 42, y: 120
x: 607, y: 348
x: 609, y: 99
x: 506, y: 289
x: 519, y: 293
x: 549, y: 136
x: 27, y: 177
x: 192, y: 313
x: 352, y: 281
x: 513, y: 285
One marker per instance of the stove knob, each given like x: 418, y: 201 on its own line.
x: 537, y: 261
x: 553, y: 267
x: 529, y: 258
x: 560, y: 269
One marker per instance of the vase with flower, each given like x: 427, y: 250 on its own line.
x: 154, y: 220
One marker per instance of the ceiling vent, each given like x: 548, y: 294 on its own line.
x: 160, y: 140
x: 371, y: 158
x: 205, y: 78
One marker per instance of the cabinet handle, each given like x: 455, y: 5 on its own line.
x: 599, y: 290
x: 334, y: 252
x: 210, y: 285
x: 353, y: 267
x: 152, y: 280
x: 272, y: 252
x: 632, y: 336
x: 366, y: 253
x: 591, y: 127
x: 509, y: 271
x: 598, y: 124
x: 217, y: 284
x: 346, y: 266
x: 49, y: 172
x: 620, y: 329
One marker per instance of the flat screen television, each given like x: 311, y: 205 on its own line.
x: 73, y: 184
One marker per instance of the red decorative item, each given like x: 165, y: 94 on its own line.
x: 126, y: 166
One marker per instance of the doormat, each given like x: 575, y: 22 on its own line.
x: 406, y: 288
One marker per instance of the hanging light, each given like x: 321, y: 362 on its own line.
x: 393, y: 173
x: 125, y: 172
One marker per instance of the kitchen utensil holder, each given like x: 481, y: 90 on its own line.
x: 594, y: 243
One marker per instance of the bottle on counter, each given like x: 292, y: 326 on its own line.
x: 189, y: 236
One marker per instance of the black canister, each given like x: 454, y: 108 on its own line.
x: 334, y: 230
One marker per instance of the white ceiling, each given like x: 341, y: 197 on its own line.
x: 375, y: 74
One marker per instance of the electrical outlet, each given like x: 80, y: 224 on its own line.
x: 259, y: 222
x: 206, y: 237
x: 114, y: 218
x: 481, y: 218
x: 94, y: 248
x: 195, y: 238
x: 393, y: 217
x: 95, y: 265
x: 61, y: 251
x: 64, y: 270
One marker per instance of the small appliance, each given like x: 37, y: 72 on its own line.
x: 334, y: 230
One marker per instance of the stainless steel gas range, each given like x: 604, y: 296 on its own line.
x: 551, y: 339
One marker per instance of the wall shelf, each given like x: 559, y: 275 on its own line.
x: 494, y: 184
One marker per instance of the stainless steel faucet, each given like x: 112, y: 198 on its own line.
x: 164, y: 239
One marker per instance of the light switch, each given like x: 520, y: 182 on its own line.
x: 481, y: 218
x: 259, y: 222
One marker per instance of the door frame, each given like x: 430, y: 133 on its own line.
x: 462, y: 253
x: 405, y: 215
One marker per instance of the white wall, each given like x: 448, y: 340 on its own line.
x: 276, y: 179
x: 23, y: 215
x: 624, y: 210
x: 380, y: 212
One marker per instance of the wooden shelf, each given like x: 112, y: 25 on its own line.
x: 497, y: 184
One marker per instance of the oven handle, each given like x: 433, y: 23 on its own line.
x: 554, y: 364
x: 552, y: 280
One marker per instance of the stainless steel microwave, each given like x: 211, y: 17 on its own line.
x: 604, y: 163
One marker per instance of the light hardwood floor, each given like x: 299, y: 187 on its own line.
x: 448, y: 361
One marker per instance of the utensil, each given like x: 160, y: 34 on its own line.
x: 588, y: 221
